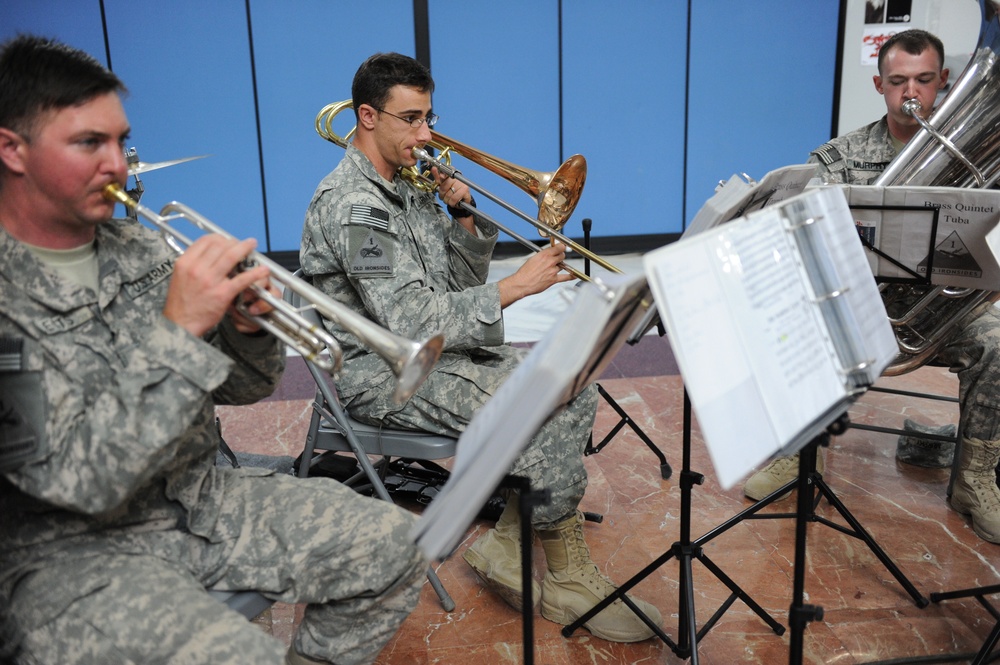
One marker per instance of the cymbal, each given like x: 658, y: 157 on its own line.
x: 142, y: 167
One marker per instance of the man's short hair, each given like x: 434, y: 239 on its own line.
x: 38, y: 74
x: 914, y: 42
x: 378, y: 74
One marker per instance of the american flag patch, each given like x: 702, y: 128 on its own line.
x: 827, y: 154
x: 10, y: 354
x: 376, y: 218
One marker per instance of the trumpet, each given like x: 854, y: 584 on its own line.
x: 556, y: 193
x: 410, y: 361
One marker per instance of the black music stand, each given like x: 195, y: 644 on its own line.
x: 563, y: 363
x: 684, y: 550
x: 994, y: 637
x: 648, y: 320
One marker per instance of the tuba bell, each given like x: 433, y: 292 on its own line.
x: 958, y: 146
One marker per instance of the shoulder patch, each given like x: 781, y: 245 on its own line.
x: 370, y: 251
x: 827, y: 154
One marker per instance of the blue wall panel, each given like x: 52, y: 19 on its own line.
x: 496, y: 71
x: 761, y: 82
x: 187, y: 66
x: 306, y: 54
x: 76, y: 22
x: 624, y: 111
x: 761, y: 85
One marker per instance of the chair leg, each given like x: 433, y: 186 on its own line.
x: 373, y: 475
x: 446, y: 601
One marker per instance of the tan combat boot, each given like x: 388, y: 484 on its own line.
x: 573, y: 585
x: 975, y: 490
x: 496, y: 556
x: 777, y: 474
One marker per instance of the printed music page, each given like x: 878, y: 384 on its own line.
x: 738, y: 197
x: 864, y: 301
x: 569, y: 357
x: 752, y: 347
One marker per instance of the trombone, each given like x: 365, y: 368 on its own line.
x: 410, y: 361
x: 556, y: 193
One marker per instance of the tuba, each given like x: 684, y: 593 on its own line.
x: 958, y: 146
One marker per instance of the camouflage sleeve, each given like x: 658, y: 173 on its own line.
x: 259, y: 363
x: 407, y: 296
x: 469, y: 258
x: 106, y: 435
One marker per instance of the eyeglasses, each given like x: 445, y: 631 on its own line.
x: 431, y: 119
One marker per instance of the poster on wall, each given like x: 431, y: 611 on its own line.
x: 869, y: 23
x: 883, y: 19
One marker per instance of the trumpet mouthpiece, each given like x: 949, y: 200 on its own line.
x: 114, y: 192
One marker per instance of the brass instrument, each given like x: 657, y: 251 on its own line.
x: 556, y: 193
x: 958, y: 146
x: 410, y: 361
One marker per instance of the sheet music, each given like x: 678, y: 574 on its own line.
x: 844, y: 290
x: 572, y: 355
x: 756, y: 350
x: 737, y: 197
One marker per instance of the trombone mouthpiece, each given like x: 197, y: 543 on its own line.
x: 423, y: 155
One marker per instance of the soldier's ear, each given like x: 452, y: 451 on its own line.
x: 12, y: 148
x: 877, y: 80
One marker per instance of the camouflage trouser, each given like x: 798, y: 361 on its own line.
x: 974, y: 354
x: 313, y: 541
x: 450, y: 397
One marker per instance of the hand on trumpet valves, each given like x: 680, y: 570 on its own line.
x: 207, y: 280
x: 539, y: 272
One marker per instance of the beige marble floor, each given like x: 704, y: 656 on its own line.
x: 868, y: 616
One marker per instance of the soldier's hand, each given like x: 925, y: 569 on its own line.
x: 205, y: 284
x: 538, y: 273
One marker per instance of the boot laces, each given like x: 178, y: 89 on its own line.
x: 784, y: 468
x: 590, y: 574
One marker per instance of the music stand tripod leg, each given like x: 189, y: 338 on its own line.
x: 799, y: 613
x: 624, y: 419
x: 685, y: 550
x: 979, y: 593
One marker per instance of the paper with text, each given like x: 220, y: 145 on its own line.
x: 775, y: 321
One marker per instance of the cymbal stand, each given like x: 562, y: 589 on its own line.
x: 624, y: 419
x: 685, y: 550
x: 994, y: 637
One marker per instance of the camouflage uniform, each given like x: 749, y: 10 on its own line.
x: 110, y: 535
x: 388, y: 250
x: 858, y: 158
